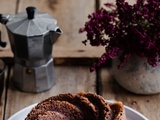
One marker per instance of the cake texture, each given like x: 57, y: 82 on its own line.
x: 80, y: 106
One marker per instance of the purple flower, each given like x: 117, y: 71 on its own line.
x: 125, y: 30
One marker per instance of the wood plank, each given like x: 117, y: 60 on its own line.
x: 69, y: 79
x: 3, y: 93
x: 147, y: 105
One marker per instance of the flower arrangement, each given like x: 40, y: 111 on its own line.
x: 125, y: 30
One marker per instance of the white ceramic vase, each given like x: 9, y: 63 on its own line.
x: 137, y: 76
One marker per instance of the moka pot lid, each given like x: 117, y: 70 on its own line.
x: 30, y: 23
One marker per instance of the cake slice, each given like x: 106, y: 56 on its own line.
x: 118, y: 111
x: 104, y: 111
x: 64, y: 108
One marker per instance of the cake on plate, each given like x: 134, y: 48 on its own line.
x: 79, y: 106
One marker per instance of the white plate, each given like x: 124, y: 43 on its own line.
x: 130, y: 113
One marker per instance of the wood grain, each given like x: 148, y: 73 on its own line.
x: 148, y: 105
x: 69, y: 79
x: 3, y: 91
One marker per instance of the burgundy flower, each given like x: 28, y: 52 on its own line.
x: 125, y: 30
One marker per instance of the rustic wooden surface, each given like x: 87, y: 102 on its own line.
x: 71, y: 15
x: 3, y: 95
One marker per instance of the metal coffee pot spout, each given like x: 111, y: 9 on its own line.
x: 4, y: 18
x: 55, y: 32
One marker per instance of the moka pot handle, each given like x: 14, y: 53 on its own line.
x: 3, y: 20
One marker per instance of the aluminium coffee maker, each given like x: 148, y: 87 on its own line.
x: 32, y: 35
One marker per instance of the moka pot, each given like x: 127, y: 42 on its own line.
x: 32, y: 35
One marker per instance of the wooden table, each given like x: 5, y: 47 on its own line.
x: 71, y: 59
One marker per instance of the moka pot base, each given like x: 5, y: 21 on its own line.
x: 34, y: 79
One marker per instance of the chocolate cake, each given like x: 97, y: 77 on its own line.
x: 80, y: 106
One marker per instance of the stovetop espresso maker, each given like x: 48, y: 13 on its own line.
x: 32, y: 34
